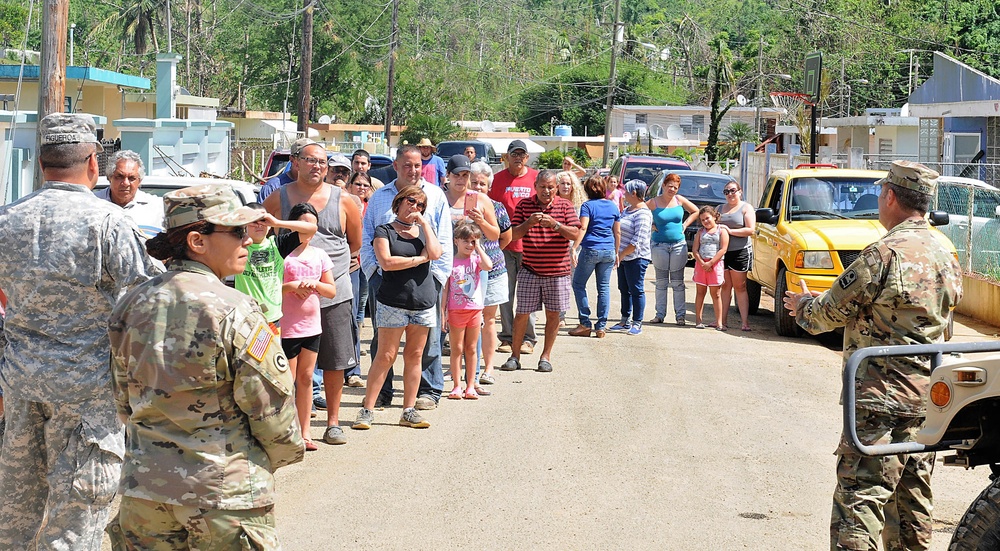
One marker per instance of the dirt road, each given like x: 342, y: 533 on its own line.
x: 678, y: 438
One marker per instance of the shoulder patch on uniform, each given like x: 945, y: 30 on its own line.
x: 259, y: 342
x: 848, y: 278
x: 281, y: 363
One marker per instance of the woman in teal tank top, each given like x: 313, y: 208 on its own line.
x: 668, y: 248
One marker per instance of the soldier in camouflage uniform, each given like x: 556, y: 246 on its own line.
x: 899, y: 291
x: 204, y: 387
x: 66, y: 258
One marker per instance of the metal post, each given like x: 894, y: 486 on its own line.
x: 611, y: 85
x: 814, y: 136
x: 72, y: 28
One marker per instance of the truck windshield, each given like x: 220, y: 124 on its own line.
x: 840, y: 197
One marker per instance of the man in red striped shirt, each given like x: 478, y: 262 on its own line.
x: 546, y: 224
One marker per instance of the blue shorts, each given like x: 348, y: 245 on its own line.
x: 390, y: 316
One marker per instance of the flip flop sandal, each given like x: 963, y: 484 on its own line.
x: 471, y: 394
x: 482, y: 391
x: 455, y: 394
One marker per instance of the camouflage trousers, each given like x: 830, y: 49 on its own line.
x: 59, y: 471
x: 886, y: 496
x: 152, y: 526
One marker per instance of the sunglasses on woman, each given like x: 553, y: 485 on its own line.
x: 239, y: 231
x: 413, y: 201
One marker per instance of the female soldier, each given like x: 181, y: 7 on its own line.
x: 203, y: 388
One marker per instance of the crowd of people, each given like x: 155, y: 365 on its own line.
x: 209, y: 389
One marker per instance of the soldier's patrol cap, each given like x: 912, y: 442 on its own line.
x: 65, y: 128
x: 300, y: 144
x: 213, y: 203
x: 913, y: 176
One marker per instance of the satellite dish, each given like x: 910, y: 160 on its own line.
x: 905, y: 111
x: 656, y: 131
x: 675, y: 132
x: 627, y: 136
x: 325, y: 119
x: 642, y: 131
x: 487, y: 126
x: 741, y: 99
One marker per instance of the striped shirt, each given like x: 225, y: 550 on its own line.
x: 546, y: 253
x: 635, y: 229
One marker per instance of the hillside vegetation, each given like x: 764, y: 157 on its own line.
x: 538, y: 62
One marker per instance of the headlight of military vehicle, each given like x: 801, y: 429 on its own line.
x: 814, y: 260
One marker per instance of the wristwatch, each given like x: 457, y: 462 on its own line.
x: 557, y: 226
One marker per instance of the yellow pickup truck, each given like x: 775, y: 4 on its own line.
x: 811, y: 224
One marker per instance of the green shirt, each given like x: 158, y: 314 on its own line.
x: 264, y: 273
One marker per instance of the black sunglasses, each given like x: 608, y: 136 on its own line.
x: 730, y: 191
x: 413, y: 201
x: 239, y: 231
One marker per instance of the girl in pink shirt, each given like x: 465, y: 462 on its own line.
x: 465, y: 293
x: 307, y: 277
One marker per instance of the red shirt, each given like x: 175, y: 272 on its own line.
x: 546, y: 253
x: 509, y: 191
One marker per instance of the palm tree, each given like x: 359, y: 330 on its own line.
x: 721, y: 80
x: 436, y: 129
x: 136, y: 22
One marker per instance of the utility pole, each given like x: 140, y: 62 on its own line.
x: 52, y: 66
x: 760, y: 88
x: 305, y: 71
x: 611, y: 85
x: 170, y: 32
x: 843, y: 83
x: 392, y: 73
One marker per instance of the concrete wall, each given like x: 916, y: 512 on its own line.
x: 981, y: 300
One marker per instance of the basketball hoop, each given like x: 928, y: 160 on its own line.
x: 790, y: 102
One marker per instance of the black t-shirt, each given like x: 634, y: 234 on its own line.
x: 412, y: 288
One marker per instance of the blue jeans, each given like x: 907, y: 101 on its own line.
x: 631, y: 275
x: 431, y: 376
x: 360, y: 285
x: 669, y: 260
x: 589, y: 261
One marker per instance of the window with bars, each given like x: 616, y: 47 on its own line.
x: 929, y: 145
x: 993, y: 139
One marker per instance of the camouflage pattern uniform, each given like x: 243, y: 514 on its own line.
x: 899, y: 291
x: 66, y: 258
x: 209, y: 401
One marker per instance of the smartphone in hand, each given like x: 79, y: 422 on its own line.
x: 471, y: 201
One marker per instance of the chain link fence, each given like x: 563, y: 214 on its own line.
x: 973, y: 209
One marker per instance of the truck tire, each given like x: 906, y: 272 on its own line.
x: 979, y: 529
x: 753, y: 291
x: 784, y: 323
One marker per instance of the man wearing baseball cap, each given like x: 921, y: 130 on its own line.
x: 510, y: 186
x: 899, y: 291
x: 286, y: 176
x: 68, y: 256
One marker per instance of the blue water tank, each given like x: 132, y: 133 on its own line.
x: 564, y: 130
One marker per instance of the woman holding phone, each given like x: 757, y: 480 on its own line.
x: 467, y: 203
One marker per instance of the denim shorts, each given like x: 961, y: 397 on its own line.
x: 390, y: 316
x: 497, y: 291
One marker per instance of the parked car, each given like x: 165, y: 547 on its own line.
x: 484, y: 151
x: 953, y: 193
x: 160, y: 185
x: 811, y: 224
x: 701, y: 188
x: 645, y: 167
x: 277, y: 163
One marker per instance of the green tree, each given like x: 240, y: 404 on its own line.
x: 720, y: 81
x: 437, y: 129
x: 12, y: 20
x: 136, y: 22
